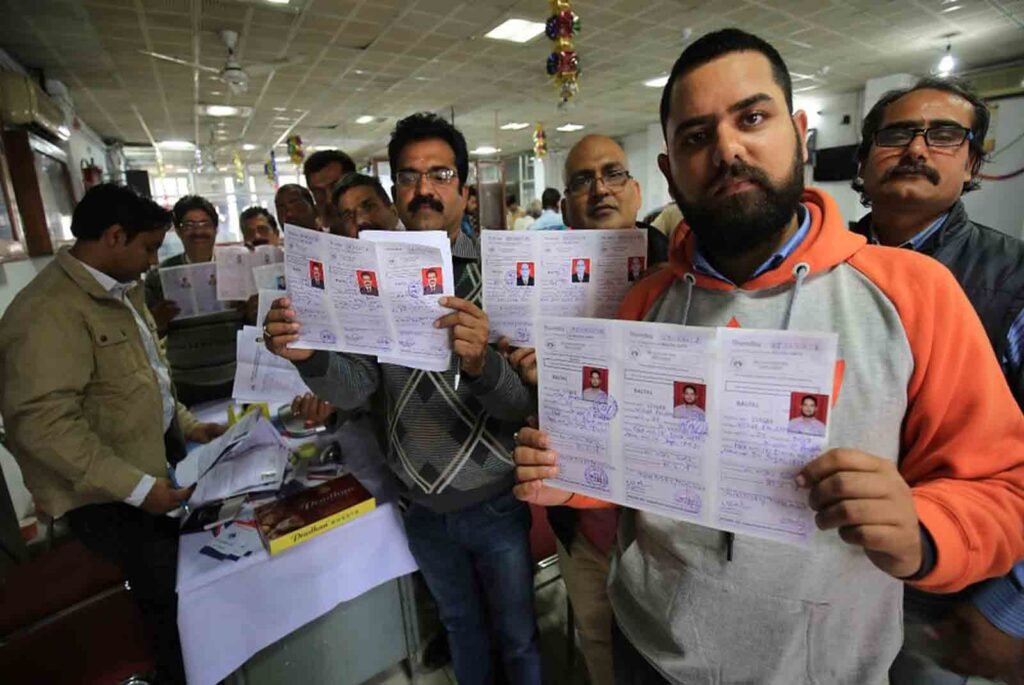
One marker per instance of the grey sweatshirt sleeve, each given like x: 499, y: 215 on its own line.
x: 344, y: 380
x: 501, y: 391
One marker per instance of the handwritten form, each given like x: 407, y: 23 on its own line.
x: 260, y: 375
x: 572, y: 273
x: 193, y: 287
x: 375, y: 295
x: 687, y: 422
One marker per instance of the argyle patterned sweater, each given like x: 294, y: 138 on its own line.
x: 450, y: 449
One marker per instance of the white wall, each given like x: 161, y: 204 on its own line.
x: 13, y: 277
x: 84, y: 145
x: 642, y: 150
x: 1000, y: 204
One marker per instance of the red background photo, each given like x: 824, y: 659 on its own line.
x: 797, y: 398
x: 677, y: 393
x: 371, y: 274
x: 519, y: 269
x: 643, y: 264
x: 438, y: 271
x: 586, y: 377
x: 586, y: 262
x: 316, y: 268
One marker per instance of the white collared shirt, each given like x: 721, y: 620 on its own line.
x: 120, y: 291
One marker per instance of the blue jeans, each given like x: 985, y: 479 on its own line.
x: 478, y: 567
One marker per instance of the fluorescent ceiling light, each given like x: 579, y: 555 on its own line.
x: 175, y: 145
x: 659, y: 82
x: 278, y: 2
x: 946, y: 64
x: 219, y: 110
x: 954, y: 8
x: 485, y: 150
x: 569, y: 128
x: 365, y: 119
x: 248, y: 147
x: 516, y: 30
x: 514, y: 126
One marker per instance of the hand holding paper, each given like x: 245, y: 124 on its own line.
x: 470, y: 328
x: 867, y: 499
x: 535, y: 462
x: 280, y: 329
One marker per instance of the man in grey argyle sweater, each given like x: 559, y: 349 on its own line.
x: 449, y: 446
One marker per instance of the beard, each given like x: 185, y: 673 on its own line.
x: 744, y: 221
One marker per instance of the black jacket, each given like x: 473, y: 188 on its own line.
x: 989, y: 266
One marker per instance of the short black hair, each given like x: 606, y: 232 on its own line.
x: 812, y: 398
x: 511, y: 199
x: 255, y: 211
x: 190, y: 202
x: 689, y: 387
x: 436, y: 272
x: 550, y: 198
x: 428, y: 126
x: 472, y: 190
x: 302, y: 190
x: 593, y: 371
x: 710, y: 47
x: 320, y: 160
x: 954, y: 86
x: 109, y: 204
x: 355, y: 180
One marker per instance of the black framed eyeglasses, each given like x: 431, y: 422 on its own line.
x: 440, y: 176
x: 584, y: 184
x: 936, y: 136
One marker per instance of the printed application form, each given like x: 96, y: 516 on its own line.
x: 573, y: 273
x: 260, y: 375
x: 688, y: 422
x: 193, y: 287
x: 375, y: 295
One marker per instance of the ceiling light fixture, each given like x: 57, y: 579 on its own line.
x: 954, y: 8
x: 947, y: 63
x: 514, y: 126
x: 659, y: 82
x: 219, y: 110
x: 569, y: 128
x: 175, y: 145
x: 365, y: 119
x: 248, y: 147
x: 278, y: 2
x: 516, y: 30
x: 485, y: 150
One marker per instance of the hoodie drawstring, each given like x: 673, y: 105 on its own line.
x: 690, y: 280
x: 800, y: 271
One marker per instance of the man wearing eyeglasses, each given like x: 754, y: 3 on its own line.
x: 201, y: 350
x: 921, y: 150
x: 450, y: 436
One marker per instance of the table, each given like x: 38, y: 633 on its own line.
x: 230, y: 610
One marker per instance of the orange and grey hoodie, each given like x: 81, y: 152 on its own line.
x: 916, y: 383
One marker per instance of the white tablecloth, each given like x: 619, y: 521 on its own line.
x: 229, y: 610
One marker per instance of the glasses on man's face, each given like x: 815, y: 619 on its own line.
x: 584, y: 184
x: 192, y: 225
x: 441, y: 176
x: 946, y: 136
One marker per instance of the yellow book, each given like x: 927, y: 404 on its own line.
x: 294, y: 519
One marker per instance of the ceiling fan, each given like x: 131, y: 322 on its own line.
x: 232, y: 73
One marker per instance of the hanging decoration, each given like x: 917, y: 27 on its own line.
x: 295, y: 152
x: 270, y: 169
x: 563, y: 64
x: 540, y: 142
x: 239, y: 167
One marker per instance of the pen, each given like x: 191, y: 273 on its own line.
x: 174, y: 484
x: 458, y: 371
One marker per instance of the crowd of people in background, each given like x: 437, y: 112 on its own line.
x: 919, y: 499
